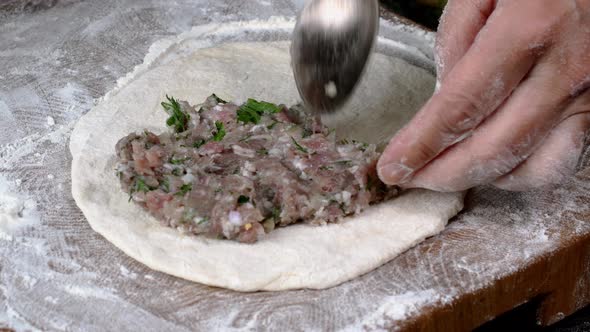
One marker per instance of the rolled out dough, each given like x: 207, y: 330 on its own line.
x: 293, y: 257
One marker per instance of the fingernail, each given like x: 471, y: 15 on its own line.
x: 394, y: 173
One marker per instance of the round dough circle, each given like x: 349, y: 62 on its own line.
x: 298, y: 256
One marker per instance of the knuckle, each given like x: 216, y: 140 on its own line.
x: 423, y: 152
x: 461, y: 115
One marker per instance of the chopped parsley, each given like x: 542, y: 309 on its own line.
x: 139, y: 186
x: 220, y: 133
x: 263, y: 152
x: 177, y: 172
x: 247, y: 137
x: 202, y: 221
x: 179, y: 161
x: 243, y: 199
x: 363, y: 147
x: 253, y: 110
x: 326, y: 168
x: 345, y: 163
x: 199, y: 143
x: 299, y: 146
x: 178, y: 118
x: 165, y: 183
x: 185, y: 188
x: 276, y: 214
x: 218, y: 100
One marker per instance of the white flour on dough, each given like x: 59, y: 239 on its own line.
x: 299, y: 256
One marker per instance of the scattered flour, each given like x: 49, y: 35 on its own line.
x: 128, y: 274
x: 402, y: 306
x: 90, y: 292
x: 50, y: 121
x: 16, y: 211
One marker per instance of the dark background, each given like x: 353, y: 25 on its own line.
x: 425, y: 12
x: 523, y: 318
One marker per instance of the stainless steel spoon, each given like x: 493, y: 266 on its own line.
x: 331, y: 43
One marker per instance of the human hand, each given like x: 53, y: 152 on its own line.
x: 512, y: 105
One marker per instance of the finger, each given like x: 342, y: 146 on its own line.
x: 555, y: 161
x: 459, y: 25
x: 507, y: 138
x: 478, y: 84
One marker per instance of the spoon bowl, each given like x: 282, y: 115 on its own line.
x: 331, y: 43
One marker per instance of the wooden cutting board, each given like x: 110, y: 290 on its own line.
x: 503, y: 250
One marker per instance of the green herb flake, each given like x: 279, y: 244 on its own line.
x: 263, y: 152
x: 243, y: 199
x: 178, y: 118
x: 165, y: 184
x: 326, y: 168
x: 177, y: 172
x: 345, y: 163
x: 363, y: 146
x: 185, y: 188
x: 253, y: 110
x: 299, y: 146
x: 202, y: 221
x: 220, y: 133
x: 199, y: 143
x: 276, y: 214
x: 139, y: 186
x: 179, y: 161
x: 245, y: 138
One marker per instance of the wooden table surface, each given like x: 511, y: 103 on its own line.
x: 56, y: 56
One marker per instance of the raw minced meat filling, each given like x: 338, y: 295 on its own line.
x: 238, y: 172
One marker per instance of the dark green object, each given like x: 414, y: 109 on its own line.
x: 178, y: 119
x: 299, y: 146
x: 253, y: 110
x: 220, y: 133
